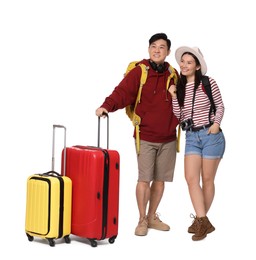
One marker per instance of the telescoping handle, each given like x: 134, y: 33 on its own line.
x: 53, y: 148
x: 107, y: 130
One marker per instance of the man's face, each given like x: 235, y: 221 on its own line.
x: 158, y: 51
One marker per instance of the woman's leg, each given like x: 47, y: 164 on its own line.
x: 209, y: 169
x: 192, y: 176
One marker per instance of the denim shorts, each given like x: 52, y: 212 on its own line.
x: 209, y: 146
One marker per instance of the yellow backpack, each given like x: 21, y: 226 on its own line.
x: 130, y: 110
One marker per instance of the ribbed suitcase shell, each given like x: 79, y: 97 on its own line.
x: 95, y: 198
x: 48, y: 207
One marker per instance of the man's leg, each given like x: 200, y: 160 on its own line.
x: 156, y: 193
x: 163, y: 171
x: 142, y: 195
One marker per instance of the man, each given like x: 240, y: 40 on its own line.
x: 157, y: 130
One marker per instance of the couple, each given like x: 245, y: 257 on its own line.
x: 161, y: 109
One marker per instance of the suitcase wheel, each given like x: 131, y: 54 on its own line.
x: 67, y: 239
x: 111, y: 240
x: 93, y: 242
x: 51, y: 241
x: 30, y: 238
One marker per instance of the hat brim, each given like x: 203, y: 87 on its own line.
x: 179, y: 52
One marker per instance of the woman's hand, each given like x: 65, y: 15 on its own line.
x: 172, y: 89
x: 214, y: 129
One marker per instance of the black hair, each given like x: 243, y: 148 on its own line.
x: 182, y: 81
x: 160, y: 36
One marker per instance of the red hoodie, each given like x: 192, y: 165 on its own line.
x: 158, y: 123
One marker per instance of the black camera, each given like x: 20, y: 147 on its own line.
x: 186, y: 124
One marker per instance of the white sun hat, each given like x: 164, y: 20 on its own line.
x: 194, y: 50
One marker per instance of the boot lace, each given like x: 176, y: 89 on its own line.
x: 195, y: 222
x: 193, y: 216
x: 157, y: 217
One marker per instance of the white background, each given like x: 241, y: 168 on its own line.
x: 60, y: 59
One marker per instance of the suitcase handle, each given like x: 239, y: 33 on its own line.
x: 51, y: 173
x: 53, y: 148
x: 106, y: 115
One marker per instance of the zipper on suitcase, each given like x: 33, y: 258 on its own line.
x: 105, y: 194
x: 61, y: 214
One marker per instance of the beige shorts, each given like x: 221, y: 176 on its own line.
x: 156, y: 161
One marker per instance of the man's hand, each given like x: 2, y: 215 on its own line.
x: 101, y: 112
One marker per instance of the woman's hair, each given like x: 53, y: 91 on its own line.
x: 181, y: 84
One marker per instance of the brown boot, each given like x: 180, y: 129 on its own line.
x: 210, y: 227
x: 203, y: 227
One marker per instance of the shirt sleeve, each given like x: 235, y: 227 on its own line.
x: 176, y: 109
x: 217, y: 98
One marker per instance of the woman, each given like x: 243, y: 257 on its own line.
x: 205, y: 142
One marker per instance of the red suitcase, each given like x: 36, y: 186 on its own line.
x: 94, y: 172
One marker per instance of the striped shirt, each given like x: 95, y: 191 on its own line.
x: 201, y: 105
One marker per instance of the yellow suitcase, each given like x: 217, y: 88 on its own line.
x: 48, y: 204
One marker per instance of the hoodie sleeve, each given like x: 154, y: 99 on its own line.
x: 125, y: 93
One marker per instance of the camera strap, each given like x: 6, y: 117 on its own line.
x: 193, y: 101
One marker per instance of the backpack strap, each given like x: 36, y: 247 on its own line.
x: 172, y: 77
x: 143, y: 78
x: 208, y: 90
x: 178, y: 139
x: 130, y: 109
x: 136, y: 119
